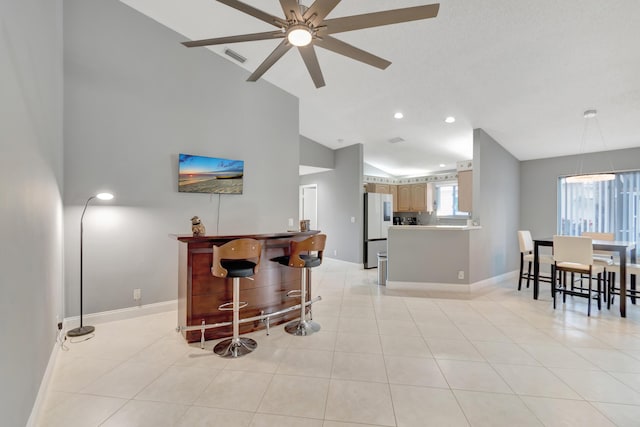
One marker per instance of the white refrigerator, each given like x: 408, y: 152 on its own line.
x: 378, y: 216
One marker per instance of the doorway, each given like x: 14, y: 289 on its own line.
x: 309, y: 204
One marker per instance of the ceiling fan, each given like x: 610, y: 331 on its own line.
x: 306, y: 27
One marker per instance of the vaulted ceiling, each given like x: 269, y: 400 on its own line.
x: 523, y: 71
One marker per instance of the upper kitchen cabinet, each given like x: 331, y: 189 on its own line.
x: 414, y: 198
x: 465, y: 190
x: 373, y: 187
x: 394, y: 192
x: 404, y: 198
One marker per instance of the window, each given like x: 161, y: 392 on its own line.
x: 447, y: 200
x: 604, y: 207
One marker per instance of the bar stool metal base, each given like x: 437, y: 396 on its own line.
x: 303, y: 328
x: 232, y: 349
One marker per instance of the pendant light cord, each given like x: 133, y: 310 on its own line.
x: 591, y: 115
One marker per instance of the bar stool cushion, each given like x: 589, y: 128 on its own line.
x: 310, y: 261
x: 238, y: 267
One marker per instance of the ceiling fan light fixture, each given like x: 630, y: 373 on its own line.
x: 299, y: 35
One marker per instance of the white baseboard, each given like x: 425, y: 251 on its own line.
x: 121, y: 314
x: 450, y: 287
x: 44, y: 386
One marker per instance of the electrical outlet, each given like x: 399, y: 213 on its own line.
x: 461, y: 274
x: 137, y: 294
x: 335, y: 252
x: 290, y: 222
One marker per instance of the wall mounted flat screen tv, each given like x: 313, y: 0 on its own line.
x: 199, y: 174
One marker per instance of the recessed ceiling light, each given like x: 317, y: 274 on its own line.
x: 442, y: 165
x: 398, y: 115
x: 450, y: 119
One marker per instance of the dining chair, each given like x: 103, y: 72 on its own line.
x: 613, y: 269
x: 526, y: 255
x: 574, y: 254
x: 603, y: 258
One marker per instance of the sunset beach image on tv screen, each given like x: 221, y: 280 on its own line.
x: 199, y: 174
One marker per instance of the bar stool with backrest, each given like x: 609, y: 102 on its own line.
x: 305, y: 254
x: 574, y: 254
x: 236, y: 259
x: 603, y: 258
x: 526, y: 255
x: 613, y: 269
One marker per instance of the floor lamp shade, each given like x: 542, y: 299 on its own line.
x: 82, y: 329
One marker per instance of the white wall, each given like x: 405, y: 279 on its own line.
x: 31, y: 245
x: 134, y: 99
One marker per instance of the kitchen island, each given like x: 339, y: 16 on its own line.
x: 200, y: 293
x: 433, y: 255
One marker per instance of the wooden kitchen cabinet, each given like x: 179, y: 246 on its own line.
x: 372, y: 187
x: 412, y: 198
x: 404, y: 198
x: 393, y: 189
x: 465, y: 191
x: 419, y: 197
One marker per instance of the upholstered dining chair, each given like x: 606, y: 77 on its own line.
x: 574, y: 254
x: 526, y: 255
x: 612, y: 289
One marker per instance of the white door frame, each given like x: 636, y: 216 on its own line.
x: 301, y: 203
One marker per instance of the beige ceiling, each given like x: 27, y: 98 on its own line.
x: 524, y: 71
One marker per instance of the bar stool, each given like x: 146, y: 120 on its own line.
x: 237, y: 258
x: 300, y: 256
x: 526, y: 255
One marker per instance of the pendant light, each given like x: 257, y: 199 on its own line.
x: 579, y: 177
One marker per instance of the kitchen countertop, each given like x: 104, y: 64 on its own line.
x: 435, y: 227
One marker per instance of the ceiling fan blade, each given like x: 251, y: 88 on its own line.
x: 235, y: 39
x: 319, y: 8
x: 291, y: 9
x: 277, y: 53
x: 376, y: 19
x: 256, y: 13
x: 338, y: 46
x: 311, y: 61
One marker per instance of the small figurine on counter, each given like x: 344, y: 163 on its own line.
x: 197, y: 227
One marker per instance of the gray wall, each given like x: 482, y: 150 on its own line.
x: 539, y: 184
x: 432, y: 256
x: 340, y: 197
x: 31, y: 274
x: 134, y: 99
x: 314, y: 154
x: 496, y: 194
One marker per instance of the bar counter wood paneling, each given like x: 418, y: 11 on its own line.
x: 200, y: 293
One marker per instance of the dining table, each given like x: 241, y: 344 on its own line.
x: 622, y: 248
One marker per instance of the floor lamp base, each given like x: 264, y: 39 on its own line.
x: 78, y: 332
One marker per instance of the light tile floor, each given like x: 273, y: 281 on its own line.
x: 384, y: 357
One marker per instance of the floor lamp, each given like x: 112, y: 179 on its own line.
x: 84, y: 330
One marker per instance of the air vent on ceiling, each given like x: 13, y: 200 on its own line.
x: 396, y: 140
x: 235, y: 55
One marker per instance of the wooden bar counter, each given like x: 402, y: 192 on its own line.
x: 200, y: 293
